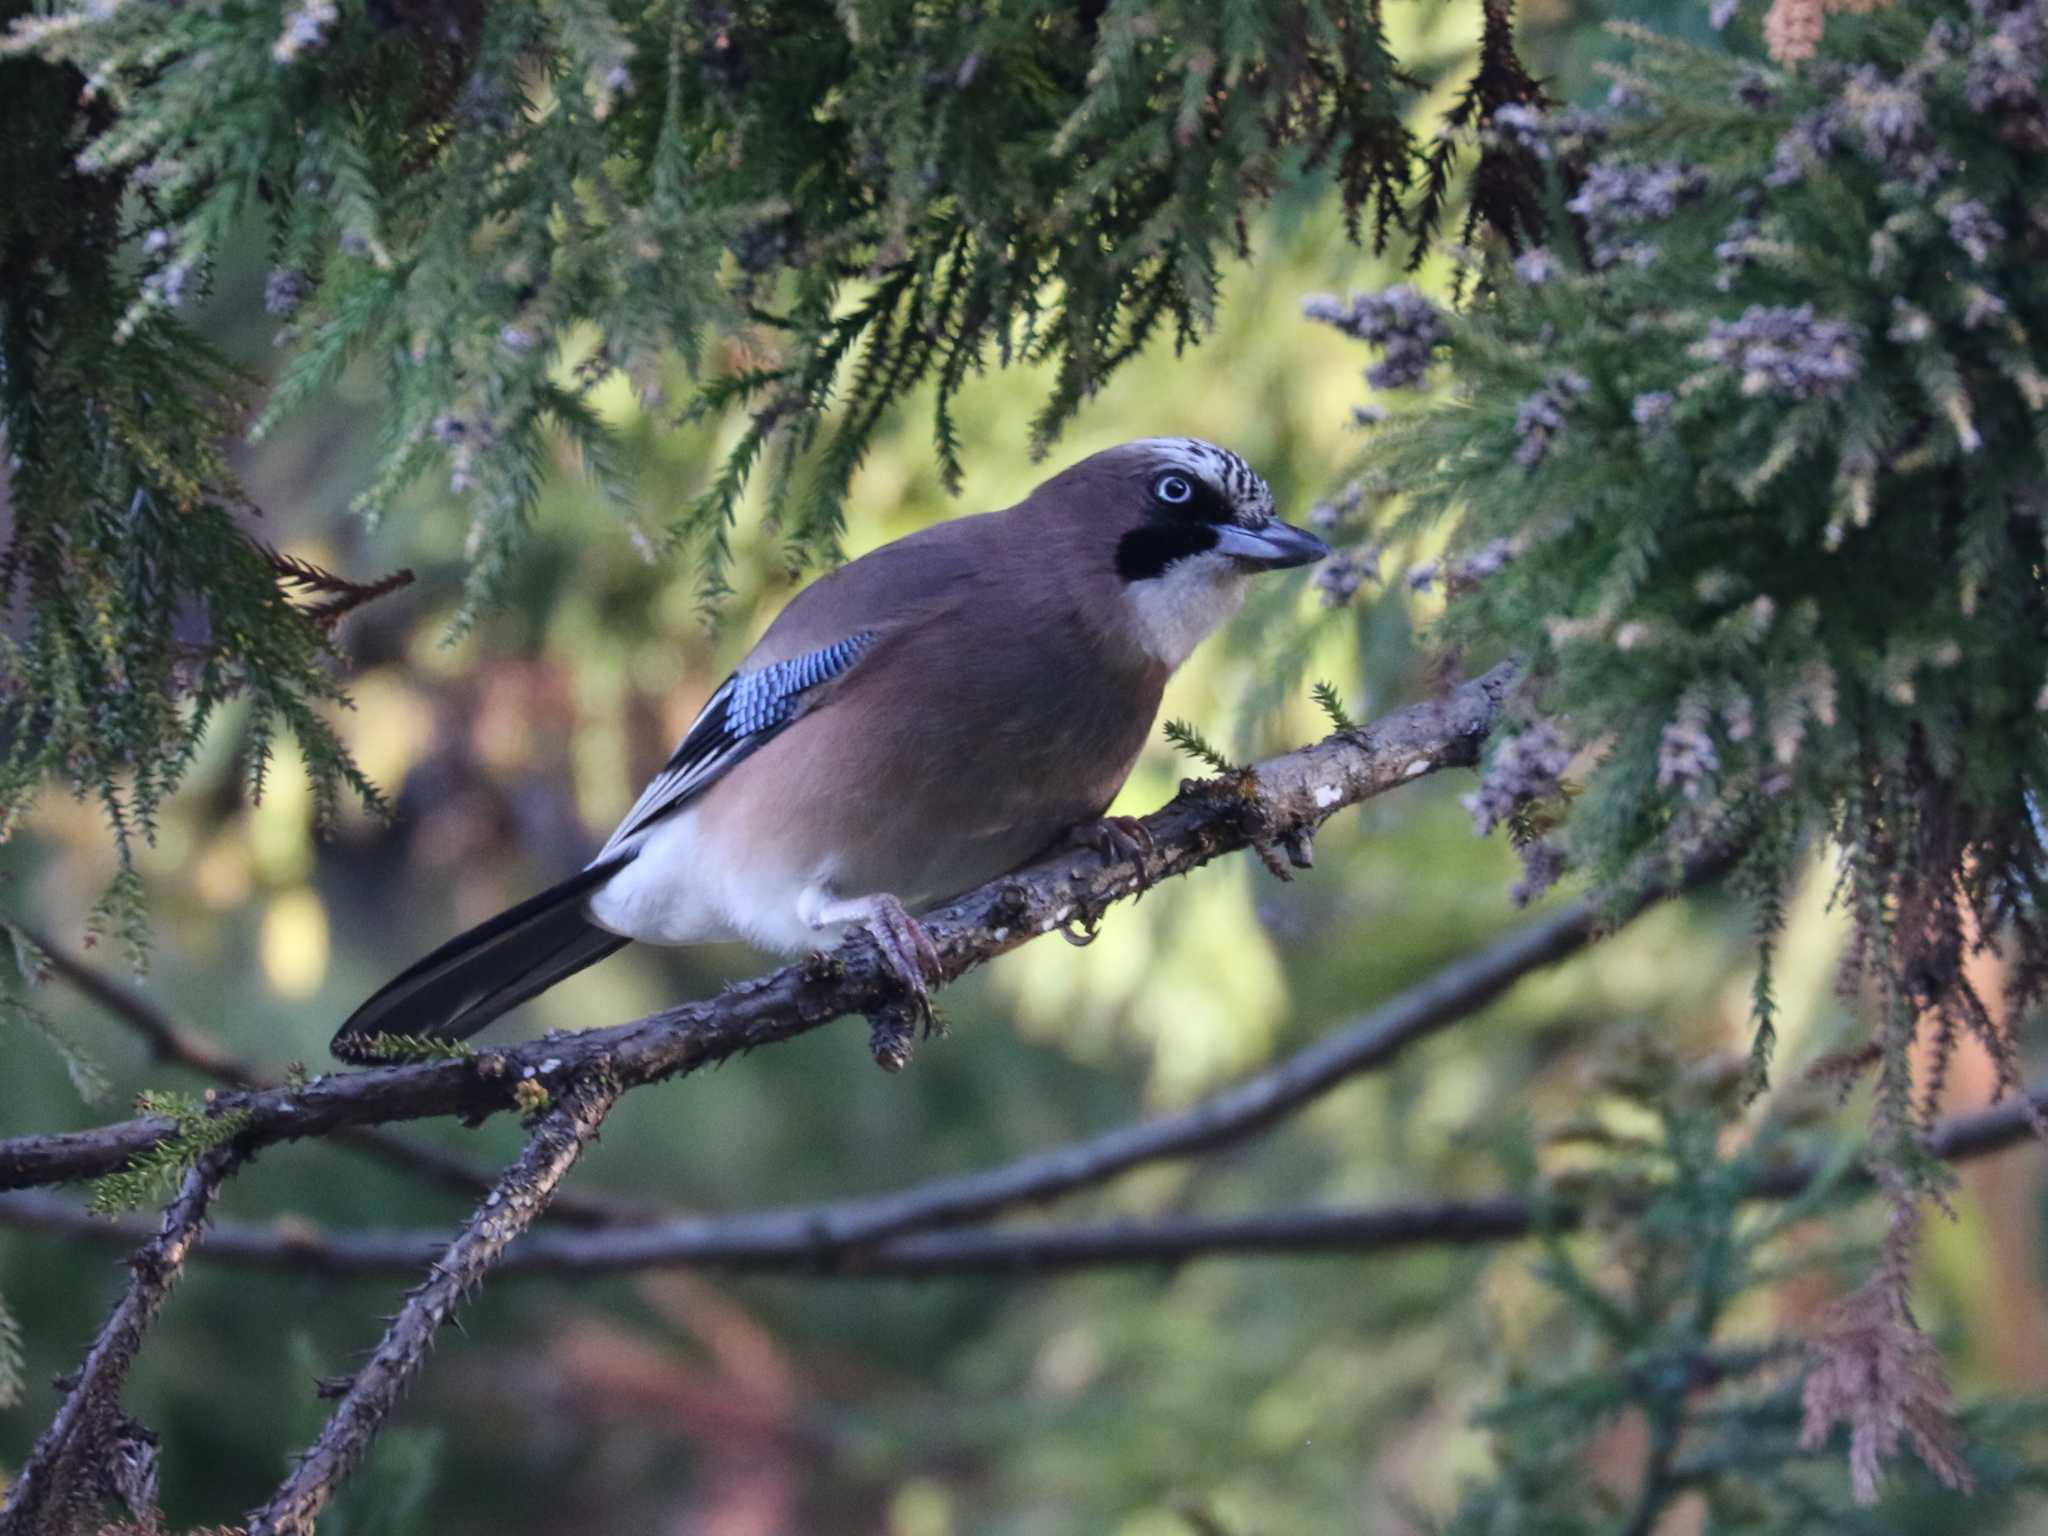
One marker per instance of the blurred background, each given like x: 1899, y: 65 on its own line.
x: 1268, y: 1394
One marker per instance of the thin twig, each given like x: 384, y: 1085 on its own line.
x: 1231, y: 1115
x: 557, y: 1140
x: 1277, y: 801
x: 59, y: 1486
x: 1654, y: 1495
x: 167, y: 1039
x: 177, y: 1044
x: 295, y: 1248
x: 1301, y: 1232
x: 337, y: 596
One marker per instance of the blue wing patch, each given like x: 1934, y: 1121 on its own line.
x: 764, y: 700
x: 748, y: 709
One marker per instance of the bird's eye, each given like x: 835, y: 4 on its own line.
x: 1174, y: 490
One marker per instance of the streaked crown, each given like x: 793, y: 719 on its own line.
x: 1242, y: 491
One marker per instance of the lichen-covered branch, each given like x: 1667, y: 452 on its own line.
x: 177, y: 1043
x: 1280, y: 802
x: 824, y: 1234
x: 60, y: 1487
x: 557, y: 1140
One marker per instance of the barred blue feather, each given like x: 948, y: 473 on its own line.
x: 746, y: 711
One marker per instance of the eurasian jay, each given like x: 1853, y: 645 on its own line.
x: 913, y: 724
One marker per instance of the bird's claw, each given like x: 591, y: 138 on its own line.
x: 907, y: 951
x: 1119, y: 840
x: 1080, y: 928
x: 1116, y: 837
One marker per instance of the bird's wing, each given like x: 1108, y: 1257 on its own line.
x: 748, y: 710
x: 825, y: 630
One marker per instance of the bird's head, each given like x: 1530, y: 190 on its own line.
x: 1191, y: 522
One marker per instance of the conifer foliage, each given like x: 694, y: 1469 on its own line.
x: 1747, y: 464
x: 816, y: 206
x: 1652, y: 1323
x: 1751, y: 454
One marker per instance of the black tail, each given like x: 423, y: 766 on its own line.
x: 493, y: 968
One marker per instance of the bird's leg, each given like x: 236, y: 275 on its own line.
x: 906, y: 949
x: 1116, y: 839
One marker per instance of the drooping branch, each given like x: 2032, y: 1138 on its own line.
x: 59, y: 1488
x: 827, y: 1234
x: 823, y: 1233
x: 1231, y: 1115
x: 1279, y: 802
x: 1301, y: 1232
x: 178, y: 1044
x: 557, y: 1140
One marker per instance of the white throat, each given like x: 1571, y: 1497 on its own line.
x: 1175, y: 610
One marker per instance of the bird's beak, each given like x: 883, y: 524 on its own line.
x: 1271, y: 547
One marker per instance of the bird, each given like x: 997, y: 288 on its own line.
x: 911, y: 725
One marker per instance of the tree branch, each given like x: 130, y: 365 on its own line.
x: 60, y: 1486
x: 1306, y: 1231
x: 557, y: 1140
x: 820, y: 1233
x: 1281, y: 801
x: 174, y: 1043
x: 823, y: 1234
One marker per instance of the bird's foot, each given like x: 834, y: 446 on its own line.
x: 907, y: 951
x: 911, y: 956
x: 1119, y: 840
x: 906, y: 947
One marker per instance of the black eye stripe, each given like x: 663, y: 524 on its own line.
x: 1148, y: 550
x: 1201, y: 502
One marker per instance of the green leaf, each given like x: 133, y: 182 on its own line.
x: 13, y: 1358
x: 88, y: 1078
x: 1187, y: 739
x: 150, y: 1178
x: 1331, y: 703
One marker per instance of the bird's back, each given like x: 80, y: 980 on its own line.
x: 1009, y: 716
